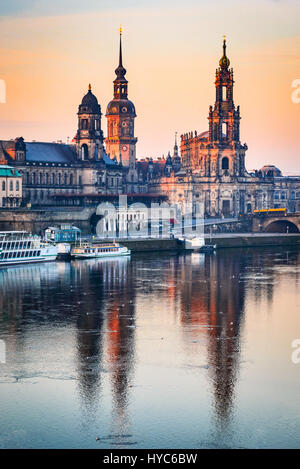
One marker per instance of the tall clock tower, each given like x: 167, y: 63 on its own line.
x: 120, y: 113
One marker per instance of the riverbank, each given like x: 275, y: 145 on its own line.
x: 238, y: 240
x: 221, y: 241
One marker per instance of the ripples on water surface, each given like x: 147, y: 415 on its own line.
x: 159, y: 350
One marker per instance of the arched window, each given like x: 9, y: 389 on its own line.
x: 84, y: 124
x: 84, y: 152
x: 17, y: 186
x: 225, y: 163
x: 66, y: 179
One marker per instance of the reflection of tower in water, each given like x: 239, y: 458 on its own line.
x: 121, y: 342
x: 213, y: 298
x: 226, y: 306
x: 89, y: 296
x: 105, y: 336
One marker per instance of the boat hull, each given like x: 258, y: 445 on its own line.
x: 99, y: 251
x: 100, y: 256
x: 32, y: 260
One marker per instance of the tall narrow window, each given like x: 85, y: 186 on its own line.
x: 225, y: 163
x: 224, y: 130
x: 224, y: 93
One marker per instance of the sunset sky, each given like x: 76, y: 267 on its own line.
x: 51, y: 51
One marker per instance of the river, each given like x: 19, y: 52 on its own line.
x: 157, y: 351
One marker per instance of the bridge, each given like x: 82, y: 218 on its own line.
x: 276, y: 222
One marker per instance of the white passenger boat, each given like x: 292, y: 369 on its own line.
x: 88, y: 251
x: 20, y: 247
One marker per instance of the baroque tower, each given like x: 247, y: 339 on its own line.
x: 89, y: 137
x: 120, y: 113
x: 224, y: 122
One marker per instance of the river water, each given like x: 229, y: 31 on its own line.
x: 156, y: 351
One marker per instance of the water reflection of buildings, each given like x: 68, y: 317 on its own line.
x: 212, y: 298
x: 105, y: 333
x: 206, y: 294
x: 27, y: 293
x: 98, y: 297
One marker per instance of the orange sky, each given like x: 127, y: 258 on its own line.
x: 170, y: 53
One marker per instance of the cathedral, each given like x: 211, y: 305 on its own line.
x: 212, y: 168
x: 209, y: 168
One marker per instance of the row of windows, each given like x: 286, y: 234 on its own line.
x: 11, y: 245
x: 51, y: 179
x: 10, y: 201
x: 34, y: 195
x: 85, y: 124
x: 283, y: 195
x: 20, y: 254
x: 11, y: 185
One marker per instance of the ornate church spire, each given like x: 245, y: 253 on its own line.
x: 175, y: 146
x: 120, y: 52
x: 224, y: 60
x: 120, y: 83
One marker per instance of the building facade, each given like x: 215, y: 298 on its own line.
x: 210, y: 167
x: 10, y: 187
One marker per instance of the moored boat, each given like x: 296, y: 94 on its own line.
x: 20, y: 247
x: 64, y: 251
x: 88, y: 251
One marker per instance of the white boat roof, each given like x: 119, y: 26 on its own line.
x: 13, y: 232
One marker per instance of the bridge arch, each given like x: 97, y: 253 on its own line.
x: 94, y: 221
x: 281, y: 226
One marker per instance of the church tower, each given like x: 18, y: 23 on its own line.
x: 176, y: 160
x: 224, y: 122
x: 89, y: 137
x: 120, y: 113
